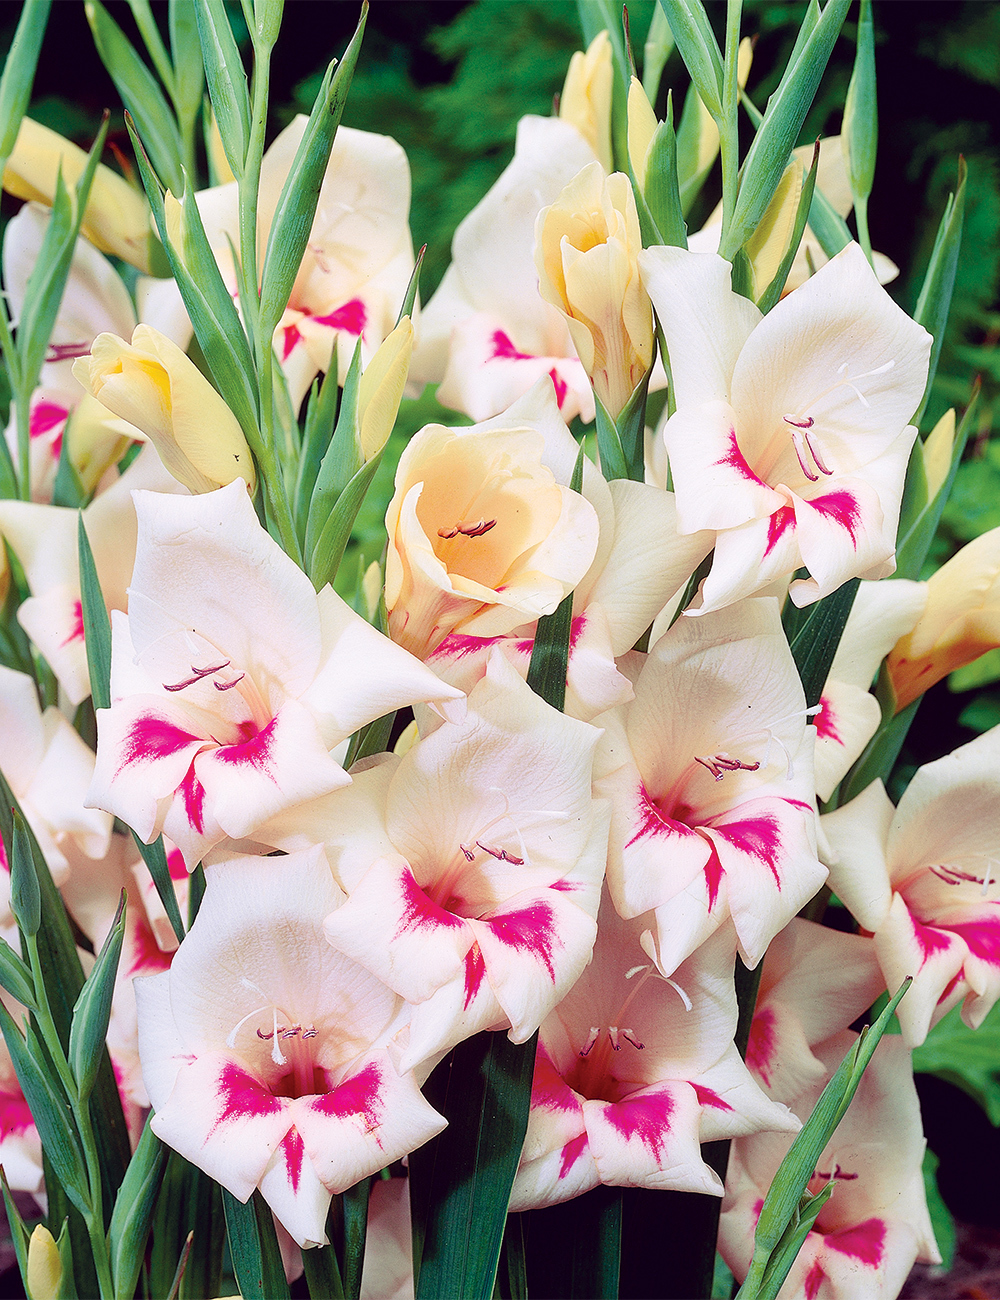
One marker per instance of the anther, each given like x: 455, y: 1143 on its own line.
x: 613, y: 1035
x: 228, y: 686
x: 199, y: 673
x: 588, y: 1047
x: 720, y: 764
x: 477, y: 529
x: 629, y: 1036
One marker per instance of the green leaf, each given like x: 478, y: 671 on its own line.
x: 699, y: 49
x: 828, y: 225
x: 779, y: 129
x: 609, y: 444
x: 942, y: 1220
x: 332, y: 541
x: 254, y: 1248
x: 150, y: 33
x: 16, y: 977
x: 93, y: 1008
x: 140, y: 94
x: 692, y: 168
x: 354, y: 1205
x: 189, y: 72
x: 187, y: 1200
x: 96, y: 623
x: 155, y: 857
x: 342, y: 461
x: 968, y: 1058
x: 25, y: 895
x: 460, y: 1181
x: 772, y: 293
x: 322, y: 1272
x: 18, y: 1231
x: 879, y: 756
x: 815, y: 644
x: 133, y: 1212
x: 216, y: 322
x: 934, y: 302
x: 550, y: 651
x: 19, y: 72
x: 783, y: 1201
x: 293, y: 217
x: 656, y: 51
x: 918, y: 516
x: 663, y: 196
x: 783, y: 1256
x: 48, y: 277
x: 49, y: 1108
x: 321, y: 414
x: 860, y: 128
x: 227, y: 81
x: 412, y: 287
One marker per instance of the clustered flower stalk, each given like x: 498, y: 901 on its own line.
x: 568, y: 766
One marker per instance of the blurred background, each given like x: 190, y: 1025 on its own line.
x: 449, y: 79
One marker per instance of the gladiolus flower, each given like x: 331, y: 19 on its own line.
x: 472, y: 865
x: 117, y: 218
x: 586, y: 245
x: 232, y: 680
x: 269, y: 1057
x: 790, y: 436
x: 961, y: 621
x: 875, y: 1226
x: 924, y: 878
x: 709, y: 771
x: 633, y: 1072
x: 482, y: 535
x: 155, y: 386
x: 486, y: 335
x: 357, y: 262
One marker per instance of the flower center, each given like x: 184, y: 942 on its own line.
x: 288, y: 1040
x: 955, y: 876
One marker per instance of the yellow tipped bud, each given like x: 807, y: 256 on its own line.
x: 216, y: 152
x: 937, y: 451
x: 45, y: 1271
x: 586, y: 96
x: 408, y: 737
x: 769, y: 242
x: 642, y: 124
x: 117, y: 216
x: 153, y: 385
x: 586, y: 246
x: 96, y: 440
x: 961, y: 621
x: 381, y: 388
x: 371, y: 589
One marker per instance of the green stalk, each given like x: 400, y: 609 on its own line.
x: 249, y: 190
x: 729, y: 136
x: 861, y: 217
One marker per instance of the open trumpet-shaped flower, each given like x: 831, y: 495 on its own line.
x: 472, y: 865
x: 790, y: 437
x: 268, y: 1056
x: 231, y: 679
x: 709, y: 770
x: 357, y: 262
x: 924, y: 877
x: 633, y: 1071
x: 875, y: 1225
x: 486, y: 333
x: 483, y: 534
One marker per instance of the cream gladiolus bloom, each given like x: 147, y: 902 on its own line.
x: 155, y: 386
x: 117, y: 217
x: 586, y: 246
x: 482, y: 534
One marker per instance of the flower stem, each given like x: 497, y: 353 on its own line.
x: 729, y: 136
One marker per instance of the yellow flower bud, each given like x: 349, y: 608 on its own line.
x: 153, y: 385
x: 117, y: 216
x: 44, y: 1266
x: 937, y: 452
x: 381, y: 388
x: 642, y: 124
x: 96, y: 440
x: 961, y: 621
x: 216, y: 151
x: 586, y: 96
x: 769, y: 242
x: 586, y: 245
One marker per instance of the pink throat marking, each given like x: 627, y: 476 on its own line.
x: 842, y: 508
x: 150, y: 739
x: 865, y: 1242
x: 359, y: 1097
x: 15, y: 1114
x: 76, y: 630
x: 44, y: 417
x: 814, y: 1280
x: 778, y: 523
x: 504, y: 349
x: 825, y: 722
x: 560, y: 385
x: 982, y: 937
x: 736, y: 461
x: 572, y: 1152
x: 761, y: 1044
x: 530, y: 931
x: 645, y: 1118
x: 351, y: 317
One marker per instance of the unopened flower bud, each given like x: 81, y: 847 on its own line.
x: 642, y: 124
x: 586, y: 245
x: 381, y: 388
x: 117, y: 216
x: 586, y: 96
x: 153, y: 385
x: 44, y: 1265
x: 961, y: 622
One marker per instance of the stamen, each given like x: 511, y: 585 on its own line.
x: 591, y: 1040
x: 448, y: 533
x: 469, y: 855
x: 688, y: 1004
x: 477, y: 529
x: 228, y: 686
x: 613, y: 1035
x: 629, y: 1036
x: 199, y: 673
x: 720, y: 764
x: 67, y: 351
